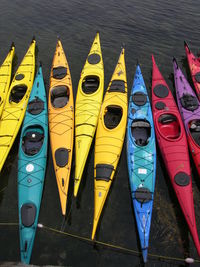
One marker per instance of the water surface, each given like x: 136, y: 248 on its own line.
x: 143, y: 27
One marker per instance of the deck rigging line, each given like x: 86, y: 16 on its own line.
x: 112, y: 246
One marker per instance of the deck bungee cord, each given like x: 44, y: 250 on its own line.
x: 63, y: 122
x: 108, y: 245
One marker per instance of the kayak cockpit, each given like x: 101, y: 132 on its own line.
x: 59, y: 72
x: 169, y: 126
x: 17, y: 93
x: 141, y: 132
x: 90, y: 84
x: 112, y: 116
x: 189, y: 102
x: 59, y: 96
x: 32, y: 140
x: 194, y: 128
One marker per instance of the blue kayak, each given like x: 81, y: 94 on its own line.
x: 32, y: 165
x: 141, y: 158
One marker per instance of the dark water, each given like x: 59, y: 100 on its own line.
x: 145, y: 27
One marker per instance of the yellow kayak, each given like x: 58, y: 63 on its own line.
x: 88, y: 103
x: 109, y: 137
x: 16, y: 102
x: 61, y: 121
x: 5, y: 76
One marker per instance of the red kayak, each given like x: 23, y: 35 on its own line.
x: 172, y: 141
x: 194, y: 65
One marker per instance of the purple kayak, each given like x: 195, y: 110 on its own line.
x: 189, y: 107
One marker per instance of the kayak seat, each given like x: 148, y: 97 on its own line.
x: 112, y: 117
x: 167, y: 118
x: 28, y: 213
x: 32, y: 142
x: 139, y: 99
x: 59, y: 96
x: 94, y: 58
x: 169, y: 126
x: 17, y: 93
x: 61, y: 157
x: 189, y: 102
x: 104, y: 172
x: 59, y: 72
x: 36, y: 106
x: 141, y: 131
x: 143, y: 195
x: 117, y: 86
x: 90, y: 84
x: 194, y: 128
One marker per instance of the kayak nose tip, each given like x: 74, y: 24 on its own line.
x: 186, y: 46
x: 12, y: 46
x: 145, y: 254
x: 33, y: 39
x: 175, y: 62
x: 153, y: 59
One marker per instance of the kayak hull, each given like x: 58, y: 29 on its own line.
x: 61, y: 122
x: 189, y: 107
x: 141, y: 159
x: 194, y: 66
x: 5, y: 76
x: 88, y: 103
x: 172, y: 141
x: 16, y: 103
x: 109, y: 137
x: 32, y: 166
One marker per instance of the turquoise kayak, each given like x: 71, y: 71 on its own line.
x: 32, y: 165
x: 141, y: 158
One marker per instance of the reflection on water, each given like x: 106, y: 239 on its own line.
x: 145, y: 27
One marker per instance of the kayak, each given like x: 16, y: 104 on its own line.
x: 189, y: 108
x: 141, y: 158
x: 32, y: 159
x: 16, y: 103
x: 194, y: 65
x: 109, y: 137
x: 5, y: 76
x: 172, y: 141
x: 61, y: 122
x: 88, y: 103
